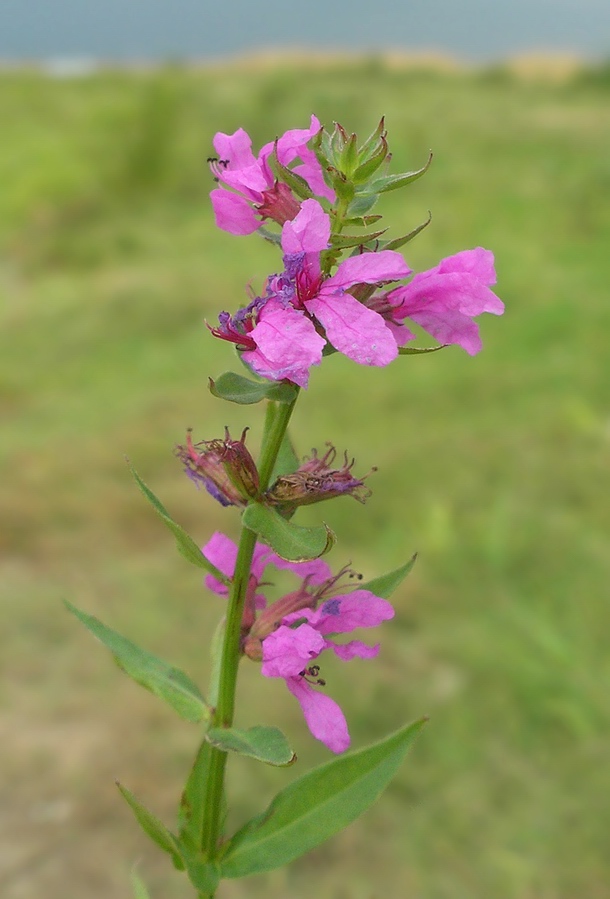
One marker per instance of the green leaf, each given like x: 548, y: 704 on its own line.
x: 139, y: 887
x: 204, y: 875
x: 420, y: 351
x: 392, y: 182
x: 317, y: 806
x: 405, y: 238
x: 162, y: 679
x: 186, y: 545
x: 291, y: 542
x: 154, y: 828
x: 295, y: 182
x: 267, y: 744
x: 386, y: 584
x: 192, y: 802
x: 355, y: 240
x: 238, y: 389
x: 361, y: 204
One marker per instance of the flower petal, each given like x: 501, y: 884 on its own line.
x: 370, y: 268
x: 221, y: 552
x: 287, y: 345
x: 233, y: 213
x: 308, y: 232
x: 235, y: 148
x: 287, y: 651
x: 323, y: 716
x: 353, y: 329
x: 342, y: 614
x: 347, y: 651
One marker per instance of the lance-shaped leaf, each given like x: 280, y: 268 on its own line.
x: 294, y: 181
x: 363, y: 221
x: 344, y: 241
x: 290, y: 541
x: 192, y: 820
x: 267, y: 744
x: 393, y: 182
x: 204, y: 875
x: 361, y: 204
x: 186, y: 545
x: 386, y: 584
x: 161, y: 678
x: 237, y: 389
x: 405, y: 238
x: 420, y: 351
x: 154, y: 828
x: 317, y: 806
x: 140, y: 890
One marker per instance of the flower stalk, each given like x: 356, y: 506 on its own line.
x: 276, y: 424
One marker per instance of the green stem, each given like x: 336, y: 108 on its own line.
x: 276, y: 424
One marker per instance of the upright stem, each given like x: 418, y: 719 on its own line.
x: 276, y: 423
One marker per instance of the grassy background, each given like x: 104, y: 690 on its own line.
x: 495, y: 468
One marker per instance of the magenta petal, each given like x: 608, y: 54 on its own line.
x: 478, y: 262
x: 308, y: 232
x: 449, y: 326
x: 221, y: 552
x: 353, y: 329
x: 236, y: 148
x: 342, y: 614
x: 287, y: 345
x: 287, y: 651
x: 370, y: 268
x: 233, y: 213
x: 353, y: 649
x: 311, y: 171
x: 323, y: 716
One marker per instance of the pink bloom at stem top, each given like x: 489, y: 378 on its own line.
x: 289, y: 634
x: 285, y: 332
x: 259, y: 195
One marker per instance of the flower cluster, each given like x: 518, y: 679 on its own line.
x: 289, y: 635
x: 255, y: 194
x: 305, y: 311
x: 317, y: 188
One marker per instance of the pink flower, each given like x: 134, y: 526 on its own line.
x: 259, y: 195
x: 284, y: 333
x: 290, y: 634
x: 301, y: 303
x: 445, y: 299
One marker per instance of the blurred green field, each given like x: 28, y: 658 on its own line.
x: 494, y: 468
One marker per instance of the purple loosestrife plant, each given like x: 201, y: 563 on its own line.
x: 340, y: 286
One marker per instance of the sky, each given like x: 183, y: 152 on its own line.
x: 478, y: 30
